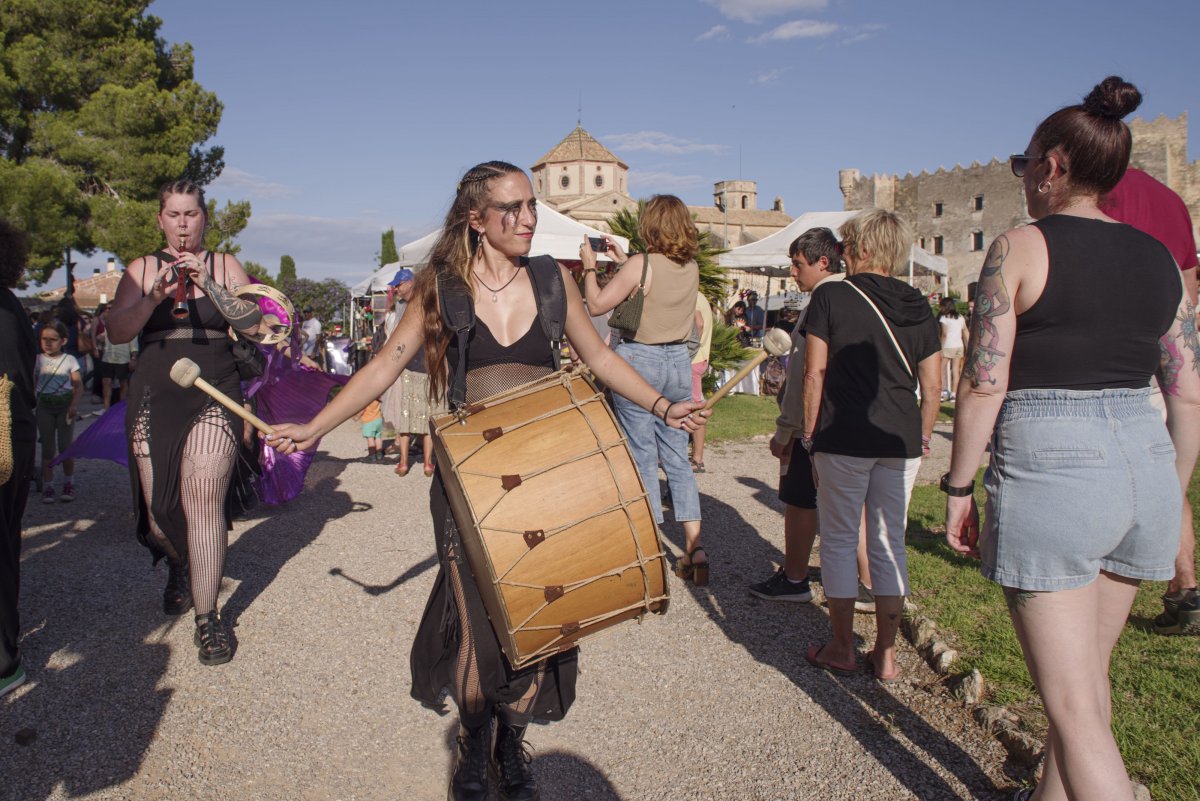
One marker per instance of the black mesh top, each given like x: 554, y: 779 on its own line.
x: 493, y: 368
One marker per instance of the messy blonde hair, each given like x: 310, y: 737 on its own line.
x: 666, y: 227
x: 882, y: 235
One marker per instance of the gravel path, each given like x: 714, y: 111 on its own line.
x: 712, y: 701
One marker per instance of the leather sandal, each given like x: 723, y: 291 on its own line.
x: 213, y: 640
x: 696, y: 572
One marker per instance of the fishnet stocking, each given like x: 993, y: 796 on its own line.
x: 141, y: 457
x: 208, y: 459
x: 468, y: 693
x: 520, y: 712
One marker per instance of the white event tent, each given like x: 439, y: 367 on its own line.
x: 770, y: 254
x: 556, y: 235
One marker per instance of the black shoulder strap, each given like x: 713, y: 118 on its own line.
x: 551, y: 294
x: 458, y: 313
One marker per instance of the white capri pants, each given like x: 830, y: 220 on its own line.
x: 845, y: 485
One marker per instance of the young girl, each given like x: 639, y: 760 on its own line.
x: 59, y: 386
x: 372, y: 430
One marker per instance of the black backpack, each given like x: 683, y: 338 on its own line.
x: 458, y: 313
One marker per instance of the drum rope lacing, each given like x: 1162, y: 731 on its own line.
x: 625, y: 504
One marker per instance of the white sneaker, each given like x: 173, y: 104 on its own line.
x: 48, y: 494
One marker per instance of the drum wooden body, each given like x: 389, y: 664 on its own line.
x: 552, y: 515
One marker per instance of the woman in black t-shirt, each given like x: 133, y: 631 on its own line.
x: 1084, y: 487
x: 870, y: 338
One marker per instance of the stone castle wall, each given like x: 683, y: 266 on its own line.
x: 1159, y: 148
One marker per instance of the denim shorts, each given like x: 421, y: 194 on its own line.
x: 1079, y: 482
x: 668, y: 369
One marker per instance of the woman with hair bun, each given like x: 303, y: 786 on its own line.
x: 183, y: 445
x: 1084, y: 487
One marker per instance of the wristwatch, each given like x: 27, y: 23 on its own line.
x: 956, y: 492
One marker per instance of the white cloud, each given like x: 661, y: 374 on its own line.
x: 665, y: 181
x: 715, y: 32
x: 755, y: 10
x: 798, y: 29
x: 768, y: 77
x: 658, y: 142
x: 237, y: 183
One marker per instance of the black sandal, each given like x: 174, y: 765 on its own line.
x: 213, y: 640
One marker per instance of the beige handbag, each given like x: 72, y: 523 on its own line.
x: 6, y: 446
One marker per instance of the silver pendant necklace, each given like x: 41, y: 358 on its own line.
x: 501, y: 289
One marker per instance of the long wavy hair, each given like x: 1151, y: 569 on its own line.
x: 452, y: 256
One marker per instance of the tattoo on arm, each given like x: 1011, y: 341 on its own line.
x: 1170, y: 361
x: 991, y: 301
x: 398, y: 353
x: 242, y: 314
x: 1017, y: 599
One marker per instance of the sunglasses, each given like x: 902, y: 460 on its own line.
x: 1018, y: 162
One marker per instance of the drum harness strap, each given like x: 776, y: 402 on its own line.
x: 458, y: 313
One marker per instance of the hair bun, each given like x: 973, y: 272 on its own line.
x: 1113, y: 98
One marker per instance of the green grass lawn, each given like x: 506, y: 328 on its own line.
x: 1156, y: 680
x: 741, y: 417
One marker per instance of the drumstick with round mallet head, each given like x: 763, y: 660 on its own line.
x: 186, y: 373
x: 776, y: 342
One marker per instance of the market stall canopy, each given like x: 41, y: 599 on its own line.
x: 770, y: 253
x: 557, y: 235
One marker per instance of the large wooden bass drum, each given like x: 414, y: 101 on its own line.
x: 552, y: 515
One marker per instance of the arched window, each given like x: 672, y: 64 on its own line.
x: 745, y: 202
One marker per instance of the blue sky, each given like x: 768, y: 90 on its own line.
x: 343, y: 119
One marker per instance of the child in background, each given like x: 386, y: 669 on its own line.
x: 372, y: 429
x: 59, y: 386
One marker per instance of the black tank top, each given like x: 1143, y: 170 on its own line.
x: 1111, y: 293
x: 493, y: 368
x: 202, y: 312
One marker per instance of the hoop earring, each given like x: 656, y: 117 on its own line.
x: 1044, y: 186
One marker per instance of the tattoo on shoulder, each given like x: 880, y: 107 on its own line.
x: 991, y: 301
x: 1017, y: 599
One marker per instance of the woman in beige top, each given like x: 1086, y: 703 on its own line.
x: 658, y: 351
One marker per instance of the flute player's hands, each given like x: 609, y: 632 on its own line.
x: 291, y: 437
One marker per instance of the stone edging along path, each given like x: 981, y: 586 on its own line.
x: 1023, y: 748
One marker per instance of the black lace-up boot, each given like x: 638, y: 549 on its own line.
x: 470, y: 779
x: 177, y: 595
x: 510, y: 764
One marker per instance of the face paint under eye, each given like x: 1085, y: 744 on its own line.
x: 509, y: 220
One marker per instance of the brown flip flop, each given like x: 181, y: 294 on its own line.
x: 812, y: 655
x: 869, y: 666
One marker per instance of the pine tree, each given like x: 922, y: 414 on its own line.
x: 96, y: 113
x: 287, y: 270
x: 388, y: 253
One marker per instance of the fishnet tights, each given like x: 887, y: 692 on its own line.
x: 473, y: 706
x: 207, y: 464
